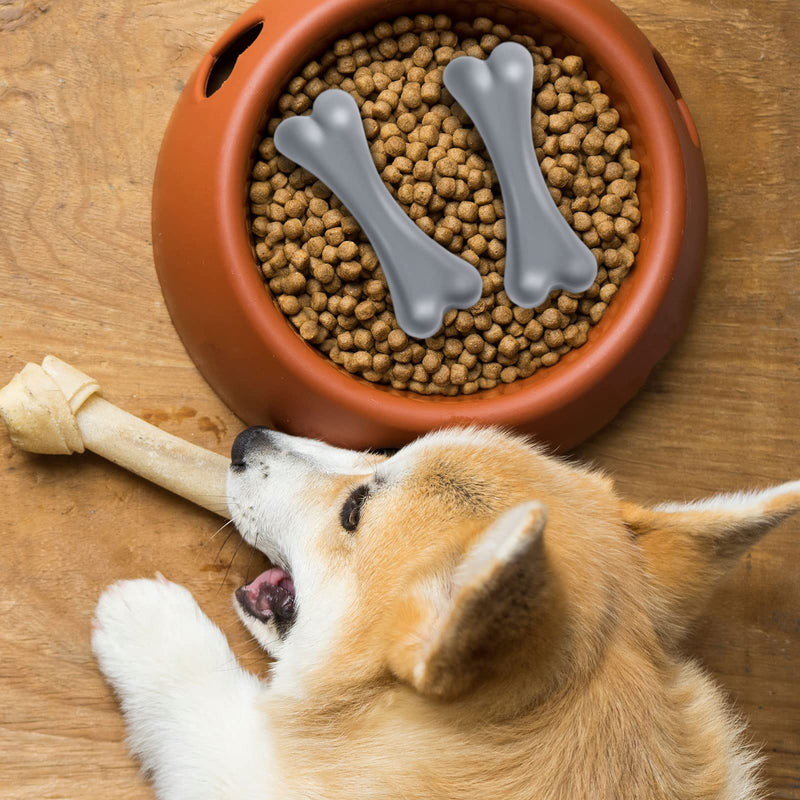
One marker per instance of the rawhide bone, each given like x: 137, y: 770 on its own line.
x: 55, y: 408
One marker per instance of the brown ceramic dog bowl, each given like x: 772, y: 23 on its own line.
x: 248, y: 351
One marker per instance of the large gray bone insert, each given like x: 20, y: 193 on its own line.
x: 542, y: 251
x: 425, y: 280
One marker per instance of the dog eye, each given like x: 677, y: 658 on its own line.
x: 350, y: 514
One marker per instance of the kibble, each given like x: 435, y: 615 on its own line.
x: 323, y: 272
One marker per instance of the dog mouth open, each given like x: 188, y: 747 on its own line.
x: 270, y: 598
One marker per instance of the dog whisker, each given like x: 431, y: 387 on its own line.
x: 219, y: 530
x: 230, y: 564
x: 222, y: 547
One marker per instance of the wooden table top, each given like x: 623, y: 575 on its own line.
x: 86, y: 89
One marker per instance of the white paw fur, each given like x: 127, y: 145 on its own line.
x: 190, y: 709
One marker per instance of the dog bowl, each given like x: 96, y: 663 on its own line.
x: 248, y: 351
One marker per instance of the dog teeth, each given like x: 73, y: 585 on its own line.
x: 542, y: 251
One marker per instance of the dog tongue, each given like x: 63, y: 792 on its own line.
x: 272, y: 592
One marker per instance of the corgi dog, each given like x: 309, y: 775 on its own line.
x: 466, y: 618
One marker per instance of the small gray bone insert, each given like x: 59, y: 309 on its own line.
x: 542, y: 251
x: 425, y: 280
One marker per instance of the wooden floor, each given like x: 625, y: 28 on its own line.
x: 85, y: 92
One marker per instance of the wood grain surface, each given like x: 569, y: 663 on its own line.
x: 86, y: 88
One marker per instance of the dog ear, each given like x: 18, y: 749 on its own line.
x: 492, y: 597
x: 689, y: 547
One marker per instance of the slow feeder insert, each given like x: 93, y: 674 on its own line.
x: 325, y: 273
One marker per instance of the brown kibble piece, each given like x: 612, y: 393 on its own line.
x: 458, y: 374
x: 508, y: 347
x: 365, y: 310
x: 550, y: 318
x: 397, y: 340
x: 596, y: 312
x: 289, y: 304
x: 474, y: 343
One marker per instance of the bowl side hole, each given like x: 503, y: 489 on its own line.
x: 666, y: 74
x: 225, y: 62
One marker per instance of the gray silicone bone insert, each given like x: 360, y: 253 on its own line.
x: 542, y: 251
x: 424, y: 279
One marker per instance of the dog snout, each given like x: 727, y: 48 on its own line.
x: 246, y: 442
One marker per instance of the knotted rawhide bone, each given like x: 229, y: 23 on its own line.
x: 424, y: 279
x: 542, y: 251
x: 55, y: 408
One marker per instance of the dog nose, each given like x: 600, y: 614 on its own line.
x: 245, y: 441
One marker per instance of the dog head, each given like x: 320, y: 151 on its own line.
x: 467, y: 558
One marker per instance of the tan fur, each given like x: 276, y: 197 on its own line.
x: 543, y: 668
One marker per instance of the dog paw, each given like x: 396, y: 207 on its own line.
x: 150, y: 634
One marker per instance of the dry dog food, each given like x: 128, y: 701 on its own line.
x: 321, y: 268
